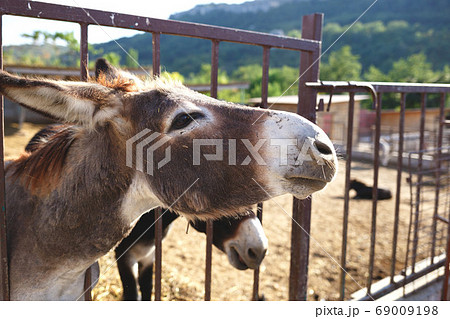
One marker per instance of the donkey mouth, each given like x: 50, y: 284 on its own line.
x: 316, y: 184
x: 302, y: 187
x: 236, y: 260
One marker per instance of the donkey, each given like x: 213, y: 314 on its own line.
x: 74, y: 198
x: 242, y: 239
x: 365, y: 192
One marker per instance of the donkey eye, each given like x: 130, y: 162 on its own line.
x: 183, y: 120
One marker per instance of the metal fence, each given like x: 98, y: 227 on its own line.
x: 440, y: 208
x: 309, y: 48
x: 309, y: 51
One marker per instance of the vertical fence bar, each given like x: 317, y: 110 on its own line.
x: 348, y: 167
x: 214, y: 67
x: 401, y: 132
x: 265, y: 77
x: 264, y: 97
x: 301, y: 212
x: 255, y: 295
x: 84, y: 52
x: 156, y: 39
x: 158, y: 252
x: 438, y: 175
x: 158, y: 212
x: 444, y: 293
x: 208, y: 265
x: 423, y: 106
x: 376, y: 165
x: 209, y: 224
x: 84, y: 75
x: 4, y: 273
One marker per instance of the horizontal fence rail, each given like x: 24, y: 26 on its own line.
x: 34, y: 9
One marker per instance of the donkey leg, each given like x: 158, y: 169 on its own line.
x: 129, y: 284
x: 146, y: 281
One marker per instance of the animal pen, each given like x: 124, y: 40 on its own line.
x: 427, y: 169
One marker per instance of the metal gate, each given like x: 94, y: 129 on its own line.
x: 309, y: 51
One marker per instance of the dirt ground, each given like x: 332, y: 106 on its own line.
x: 184, y: 254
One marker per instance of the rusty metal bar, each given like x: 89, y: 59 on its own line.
x: 419, y: 179
x: 264, y: 97
x: 376, y: 165
x: 386, y: 87
x: 156, y: 66
x: 158, y: 212
x: 348, y: 167
x: 438, y: 174
x: 265, y: 77
x: 444, y: 295
x: 84, y: 75
x: 208, y: 266
x: 408, y: 242
x: 4, y: 272
x: 84, y: 52
x: 401, y: 132
x: 112, y: 19
x: 209, y: 224
x: 88, y: 284
x: 158, y: 252
x: 301, y: 213
x: 214, y: 67
x: 255, y: 295
x: 156, y: 43
x: 403, y: 282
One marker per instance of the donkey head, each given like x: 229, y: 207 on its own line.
x: 198, y: 155
x: 242, y: 239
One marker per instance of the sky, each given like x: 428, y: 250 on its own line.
x: 162, y: 9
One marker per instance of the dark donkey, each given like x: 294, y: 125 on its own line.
x: 242, y: 239
x: 74, y: 198
x: 365, y: 192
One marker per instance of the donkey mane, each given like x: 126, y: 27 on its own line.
x: 39, y: 168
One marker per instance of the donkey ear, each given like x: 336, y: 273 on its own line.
x: 83, y: 103
x: 103, y: 67
x: 109, y: 76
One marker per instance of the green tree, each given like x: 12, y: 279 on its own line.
x: 176, y: 76
x: 342, y: 65
x: 132, y: 58
x: 204, y: 76
x: 415, y: 68
x: 374, y: 74
x: 33, y: 36
x: 112, y: 58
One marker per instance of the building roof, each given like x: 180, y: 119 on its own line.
x: 293, y: 99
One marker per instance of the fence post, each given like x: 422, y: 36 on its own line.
x: 301, y: 213
x: 4, y: 273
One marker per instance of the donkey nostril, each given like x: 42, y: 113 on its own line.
x: 251, y: 254
x: 323, y: 148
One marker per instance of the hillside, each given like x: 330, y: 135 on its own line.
x: 389, y: 31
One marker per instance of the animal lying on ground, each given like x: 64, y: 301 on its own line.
x: 242, y: 239
x: 365, y: 192
x: 75, y: 197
